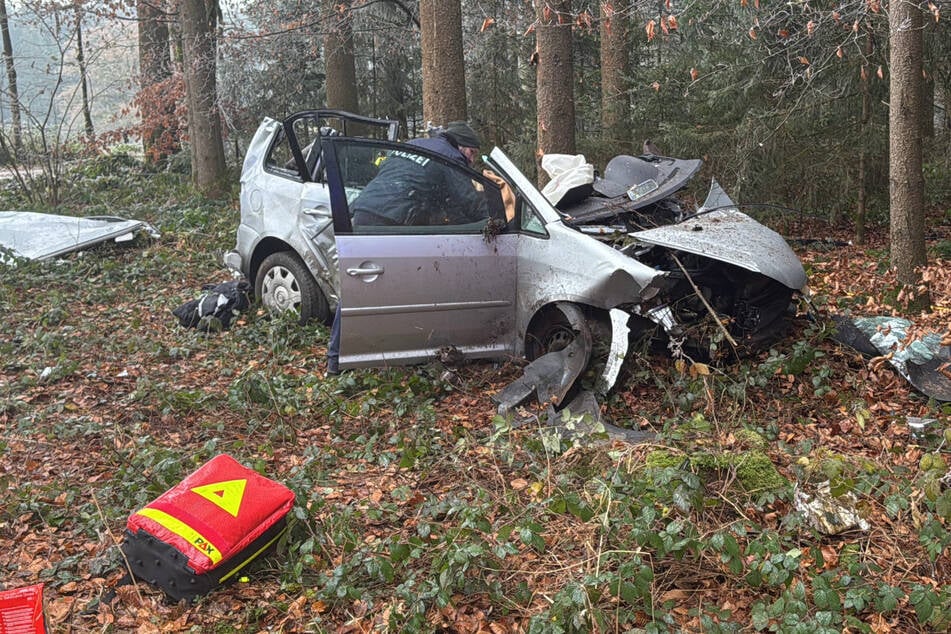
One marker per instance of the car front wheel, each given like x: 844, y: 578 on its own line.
x: 283, y: 283
x: 549, y: 331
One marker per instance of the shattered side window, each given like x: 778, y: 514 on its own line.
x: 279, y: 158
x: 308, y: 132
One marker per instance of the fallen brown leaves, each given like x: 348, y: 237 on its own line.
x: 107, y: 392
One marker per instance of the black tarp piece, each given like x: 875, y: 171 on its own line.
x: 924, y: 362
x: 930, y: 377
x: 216, y: 307
x: 848, y: 333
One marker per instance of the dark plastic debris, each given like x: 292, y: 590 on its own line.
x: 216, y: 307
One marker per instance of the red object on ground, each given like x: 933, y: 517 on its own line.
x: 215, y: 513
x: 21, y: 611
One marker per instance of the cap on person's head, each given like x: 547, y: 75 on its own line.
x: 462, y: 134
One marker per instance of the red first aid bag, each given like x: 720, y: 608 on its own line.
x: 21, y: 611
x: 202, y: 532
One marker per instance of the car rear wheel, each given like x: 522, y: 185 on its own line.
x: 283, y: 283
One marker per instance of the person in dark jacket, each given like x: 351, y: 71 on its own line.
x: 414, y: 189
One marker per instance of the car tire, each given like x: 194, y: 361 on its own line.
x: 283, y: 283
x: 550, y: 331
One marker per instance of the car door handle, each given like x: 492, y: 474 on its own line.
x: 360, y: 272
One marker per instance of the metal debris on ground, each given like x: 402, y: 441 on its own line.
x: 829, y: 514
x: 550, y: 376
x: 35, y: 236
x: 919, y: 426
x: 924, y: 362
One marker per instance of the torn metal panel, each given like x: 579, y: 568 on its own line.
x: 581, y: 419
x: 550, y: 376
x: 721, y: 232
x: 717, y: 198
x: 36, y: 236
x: 619, y: 346
x: 924, y: 362
x: 541, y: 378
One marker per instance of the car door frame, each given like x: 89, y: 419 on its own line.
x: 347, y: 118
x: 390, y: 332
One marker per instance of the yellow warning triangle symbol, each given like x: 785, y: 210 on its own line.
x: 227, y: 495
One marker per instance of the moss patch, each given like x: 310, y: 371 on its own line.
x: 751, y: 439
x: 661, y: 459
x: 825, y: 465
x: 755, y: 472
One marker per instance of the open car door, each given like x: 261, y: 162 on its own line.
x: 419, y: 273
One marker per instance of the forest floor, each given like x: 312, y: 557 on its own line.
x: 419, y: 509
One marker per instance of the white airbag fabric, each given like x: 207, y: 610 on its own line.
x: 567, y: 171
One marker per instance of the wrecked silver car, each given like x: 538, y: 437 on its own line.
x: 524, y: 278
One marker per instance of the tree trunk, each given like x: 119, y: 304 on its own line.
x: 906, y: 184
x: 154, y: 68
x: 444, y: 83
x: 945, y: 117
x: 12, y: 91
x: 83, y: 78
x: 861, y: 206
x: 199, y: 20
x: 338, y: 53
x: 554, y: 81
x: 615, y: 74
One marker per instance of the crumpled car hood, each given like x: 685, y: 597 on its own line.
x: 36, y: 236
x: 722, y: 232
